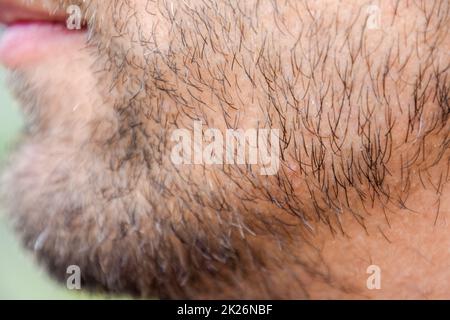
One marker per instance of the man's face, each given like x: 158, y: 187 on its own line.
x: 357, y: 91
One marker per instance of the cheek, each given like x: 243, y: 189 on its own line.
x: 132, y: 28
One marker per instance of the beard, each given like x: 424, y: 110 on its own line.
x: 361, y: 117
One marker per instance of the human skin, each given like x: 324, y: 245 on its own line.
x: 364, y: 119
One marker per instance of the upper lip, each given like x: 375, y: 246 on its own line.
x: 13, y: 11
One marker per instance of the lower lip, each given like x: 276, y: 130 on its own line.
x: 25, y: 44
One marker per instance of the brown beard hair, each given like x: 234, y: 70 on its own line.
x: 136, y: 223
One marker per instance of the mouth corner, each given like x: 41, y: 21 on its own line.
x: 14, y: 12
x: 31, y: 30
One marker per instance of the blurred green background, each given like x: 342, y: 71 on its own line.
x: 20, y: 277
